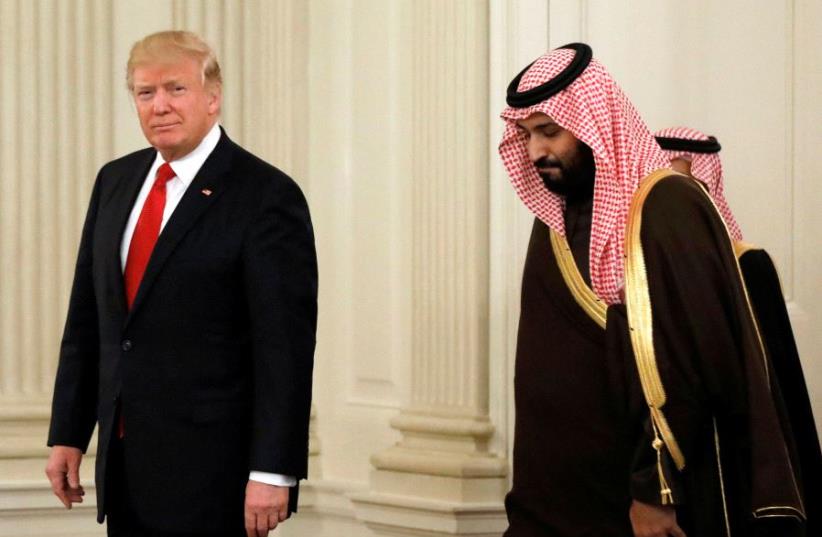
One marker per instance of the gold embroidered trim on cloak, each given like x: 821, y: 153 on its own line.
x: 590, y: 303
x: 787, y: 512
x: 764, y: 354
x: 721, y: 480
x: 640, y: 319
x: 640, y: 323
x: 741, y: 247
x: 665, y: 492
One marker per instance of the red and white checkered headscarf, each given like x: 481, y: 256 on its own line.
x: 596, y: 111
x: 707, y: 167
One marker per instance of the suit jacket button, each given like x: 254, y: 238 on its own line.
x: 126, y: 346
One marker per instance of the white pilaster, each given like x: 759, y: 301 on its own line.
x: 56, y: 130
x: 262, y: 46
x: 441, y: 478
x: 56, y: 89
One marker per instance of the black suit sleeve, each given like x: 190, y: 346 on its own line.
x: 74, y: 406
x: 280, y: 278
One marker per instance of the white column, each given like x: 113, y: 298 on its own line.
x: 441, y: 478
x: 519, y: 34
x: 262, y: 46
x: 263, y: 53
x: 55, y: 96
x: 56, y: 91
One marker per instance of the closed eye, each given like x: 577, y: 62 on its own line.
x: 550, y: 130
x: 524, y: 132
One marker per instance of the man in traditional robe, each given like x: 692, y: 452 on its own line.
x: 696, y: 154
x: 643, y: 404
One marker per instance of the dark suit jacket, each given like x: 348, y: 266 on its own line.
x: 212, y: 365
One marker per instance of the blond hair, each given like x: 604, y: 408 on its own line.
x: 169, y: 47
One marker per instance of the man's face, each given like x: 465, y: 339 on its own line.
x: 176, y: 110
x: 565, y: 164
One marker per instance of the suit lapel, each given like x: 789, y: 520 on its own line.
x: 200, y: 194
x: 121, y: 203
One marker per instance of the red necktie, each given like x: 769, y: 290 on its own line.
x: 142, y: 243
x: 146, y: 232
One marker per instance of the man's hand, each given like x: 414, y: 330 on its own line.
x: 265, y: 507
x: 654, y: 520
x: 63, y: 470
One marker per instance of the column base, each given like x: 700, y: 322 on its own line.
x: 28, y: 507
x: 24, y: 429
x: 394, y: 515
x: 439, y: 480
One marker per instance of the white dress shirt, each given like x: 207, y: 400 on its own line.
x: 186, y: 169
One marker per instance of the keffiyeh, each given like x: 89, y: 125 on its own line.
x: 705, y: 166
x: 596, y: 111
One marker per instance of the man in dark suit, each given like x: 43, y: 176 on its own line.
x: 191, y: 324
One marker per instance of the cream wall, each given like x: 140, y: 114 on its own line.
x: 385, y: 111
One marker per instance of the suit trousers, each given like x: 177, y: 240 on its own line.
x: 120, y: 518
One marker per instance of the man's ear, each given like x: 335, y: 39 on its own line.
x: 214, y: 90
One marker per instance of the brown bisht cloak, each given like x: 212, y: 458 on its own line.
x: 573, y: 438
x: 765, y: 293
x: 584, y: 438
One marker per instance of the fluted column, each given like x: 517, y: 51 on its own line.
x: 263, y: 52
x: 55, y: 109
x: 262, y: 46
x: 440, y: 478
x: 56, y: 102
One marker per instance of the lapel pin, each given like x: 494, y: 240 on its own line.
x: 206, y: 191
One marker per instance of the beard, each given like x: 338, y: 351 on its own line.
x: 574, y: 180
